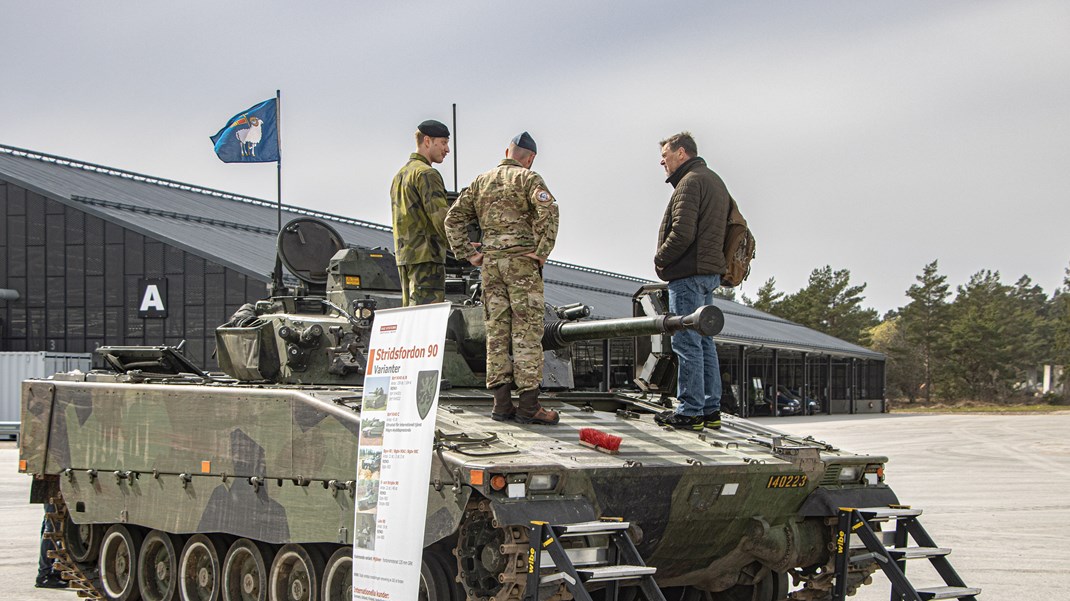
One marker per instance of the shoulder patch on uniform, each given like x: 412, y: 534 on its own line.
x: 542, y: 195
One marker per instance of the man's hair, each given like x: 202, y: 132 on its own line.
x: 519, y: 153
x: 420, y: 137
x: 683, y: 140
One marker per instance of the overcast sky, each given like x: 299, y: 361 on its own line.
x: 871, y: 136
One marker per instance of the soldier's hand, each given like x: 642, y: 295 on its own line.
x: 541, y: 260
x: 476, y: 259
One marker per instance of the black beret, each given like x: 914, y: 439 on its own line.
x: 435, y: 129
x: 525, y: 141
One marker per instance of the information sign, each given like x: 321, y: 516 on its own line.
x: 397, y: 431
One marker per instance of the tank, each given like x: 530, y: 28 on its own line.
x: 174, y: 483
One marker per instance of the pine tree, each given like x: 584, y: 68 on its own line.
x: 1030, y: 326
x: 830, y: 304
x: 768, y: 298
x: 924, y: 323
x: 725, y: 292
x: 978, y: 334
x: 1060, y: 324
x: 904, y: 375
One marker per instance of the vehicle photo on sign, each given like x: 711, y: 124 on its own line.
x: 369, y: 460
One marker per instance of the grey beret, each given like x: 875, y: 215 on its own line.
x: 525, y: 141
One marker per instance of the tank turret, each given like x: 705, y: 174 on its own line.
x: 317, y: 332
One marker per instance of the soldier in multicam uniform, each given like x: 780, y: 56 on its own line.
x: 418, y: 206
x: 518, y: 217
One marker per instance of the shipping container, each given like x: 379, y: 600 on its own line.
x: 16, y: 367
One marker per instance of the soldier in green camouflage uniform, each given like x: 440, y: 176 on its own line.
x: 418, y: 206
x: 518, y: 217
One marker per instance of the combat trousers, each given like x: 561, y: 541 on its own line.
x: 422, y: 283
x: 513, y: 308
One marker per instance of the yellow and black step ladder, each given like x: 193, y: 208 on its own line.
x: 587, y: 562
x: 891, y: 549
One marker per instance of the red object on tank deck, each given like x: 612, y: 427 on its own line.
x: 599, y: 439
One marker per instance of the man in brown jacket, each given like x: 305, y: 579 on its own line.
x: 690, y: 257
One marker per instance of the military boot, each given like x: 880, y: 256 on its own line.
x: 531, y: 412
x: 503, y: 410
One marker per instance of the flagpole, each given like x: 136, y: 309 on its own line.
x: 278, y: 140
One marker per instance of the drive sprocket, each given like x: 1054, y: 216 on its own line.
x: 492, y: 559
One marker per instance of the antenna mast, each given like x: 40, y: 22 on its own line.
x: 454, y: 146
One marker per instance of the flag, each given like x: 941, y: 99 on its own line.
x: 251, y: 136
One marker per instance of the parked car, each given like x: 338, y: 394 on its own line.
x: 811, y: 406
x: 785, y: 405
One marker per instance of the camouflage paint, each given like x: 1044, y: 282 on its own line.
x: 276, y: 462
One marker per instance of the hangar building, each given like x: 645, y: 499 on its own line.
x: 92, y: 255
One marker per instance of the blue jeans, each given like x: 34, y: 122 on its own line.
x: 698, y: 383
x: 44, y: 563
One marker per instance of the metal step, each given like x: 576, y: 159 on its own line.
x: 947, y: 592
x: 582, y: 556
x: 596, y: 527
x: 620, y: 572
x: 887, y: 513
x: 918, y: 552
x: 898, y: 553
x: 886, y: 537
x: 556, y: 577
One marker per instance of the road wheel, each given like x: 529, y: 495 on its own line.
x: 82, y: 541
x: 157, y: 566
x: 448, y: 567
x: 200, y: 569
x: 773, y: 587
x: 119, y: 551
x: 245, y: 571
x: 296, y: 574
x: 338, y: 576
x: 433, y: 584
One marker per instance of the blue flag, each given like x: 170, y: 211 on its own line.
x: 251, y: 136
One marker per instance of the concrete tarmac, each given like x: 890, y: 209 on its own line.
x: 996, y: 489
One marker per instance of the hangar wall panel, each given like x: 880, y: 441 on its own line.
x: 79, y: 281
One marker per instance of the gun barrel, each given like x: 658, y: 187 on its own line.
x: 707, y: 321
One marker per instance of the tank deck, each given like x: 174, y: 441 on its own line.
x: 643, y: 441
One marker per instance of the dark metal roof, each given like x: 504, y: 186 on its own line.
x: 237, y: 231
x: 751, y: 327
x: 240, y: 231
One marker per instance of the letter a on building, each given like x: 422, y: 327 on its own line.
x: 153, y: 298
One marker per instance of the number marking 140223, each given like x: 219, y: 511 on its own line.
x: 787, y: 481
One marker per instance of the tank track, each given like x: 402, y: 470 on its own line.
x: 82, y: 579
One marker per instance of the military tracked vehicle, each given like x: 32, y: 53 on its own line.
x: 174, y: 483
